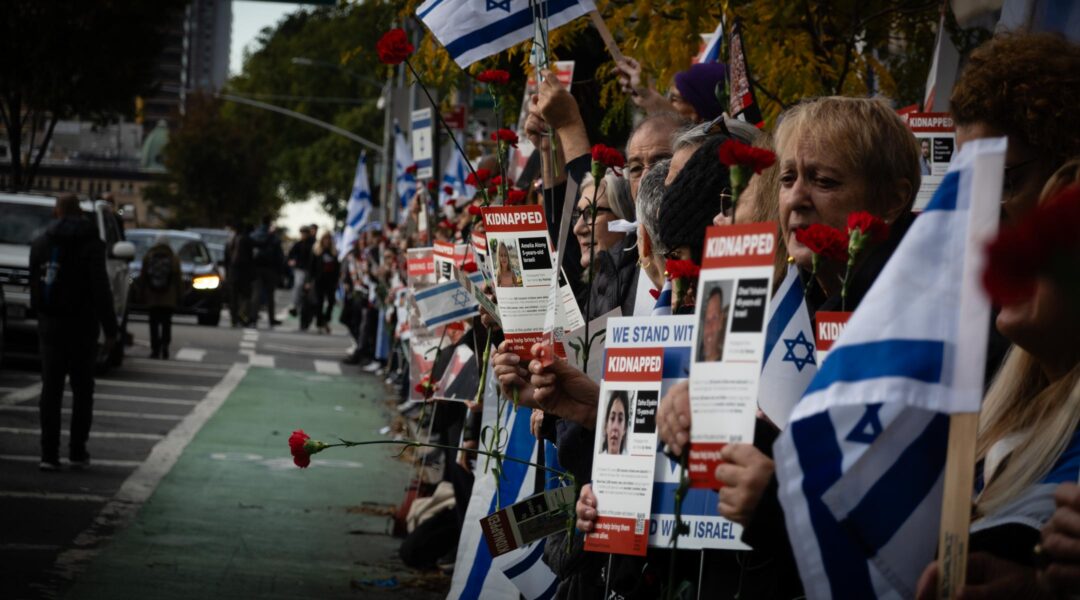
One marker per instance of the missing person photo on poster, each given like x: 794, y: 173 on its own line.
x: 713, y: 321
x: 507, y: 268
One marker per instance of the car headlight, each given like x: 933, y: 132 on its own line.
x: 206, y: 282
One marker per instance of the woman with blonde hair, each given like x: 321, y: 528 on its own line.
x: 505, y: 276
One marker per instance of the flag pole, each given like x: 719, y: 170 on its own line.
x: 605, y: 34
x: 956, y: 504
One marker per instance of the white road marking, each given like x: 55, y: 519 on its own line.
x: 141, y: 484
x: 247, y: 345
x: 191, y: 354
x: 141, y: 364
x: 94, y: 462
x: 22, y: 394
x: 262, y: 360
x: 100, y: 413
x: 54, y: 496
x: 309, y: 351
x: 328, y: 367
x: 152, y: 386
x: 93, y: 434
x: 144, y: 399
x: 248, y: 352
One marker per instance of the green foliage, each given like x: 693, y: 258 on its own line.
x: 215, y: 170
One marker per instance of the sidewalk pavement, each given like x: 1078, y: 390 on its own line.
x: 234, y: 518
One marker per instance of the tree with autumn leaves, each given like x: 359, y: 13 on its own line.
x: 795, y: 50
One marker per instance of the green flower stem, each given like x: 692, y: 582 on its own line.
x: 681, y: 527
x: 484, y: 367
x: 497, y: 455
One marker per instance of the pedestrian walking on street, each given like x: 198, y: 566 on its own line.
x: 268, y: 260
x: 159, y: 282
x: 299, y: 261
x: 70, y: 294
x: 323, y: 270
x: 240, y: 275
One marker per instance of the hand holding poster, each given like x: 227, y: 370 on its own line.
x: 733, y: 298
x: 522, y: 269
x: 626, y: 440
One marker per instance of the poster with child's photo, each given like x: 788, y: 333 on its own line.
x: 616, y: 417
x: 507, y: 264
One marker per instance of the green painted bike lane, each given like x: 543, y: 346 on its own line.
x: 234, y: 518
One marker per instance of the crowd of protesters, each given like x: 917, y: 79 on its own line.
x: 835, y: 155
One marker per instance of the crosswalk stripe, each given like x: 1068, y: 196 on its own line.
x: 93, y: 434
x: 101, y: 413
x: 153, y: 363
x: 247, y: 345
x: 191, y: 354
x: 152, y: 386
x: 22, y: 394
x: 328, y: 367
x: 143, y: 399
x: 262, y: 360
x: 96, y: 462
x: 54, y: 496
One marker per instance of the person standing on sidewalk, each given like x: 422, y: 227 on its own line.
x: 299, y: 259
x: 69, y: 292
x: 323, y: 270
x: 240, y: 275
x: 268, y: 260
x: 159, y: 281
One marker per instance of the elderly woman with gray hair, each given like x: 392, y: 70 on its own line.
x: 613, y: 272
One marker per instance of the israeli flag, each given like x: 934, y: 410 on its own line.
x: 454, y: 175
x: 359, y: 209
x: 711, y: 52
x: 404, y: 183
x: 860, y: 464
x: 472, y: 30
x: 447, y: 302
x: 789, y: 363
x: 662, y: 308
x: 520, y: 571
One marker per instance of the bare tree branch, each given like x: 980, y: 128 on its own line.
x: 53, y: 118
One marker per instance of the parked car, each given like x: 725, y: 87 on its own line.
x: 201, y: 289
x: 23, y: 217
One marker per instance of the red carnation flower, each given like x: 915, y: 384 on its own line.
x: 868, y: 225
x: 677, y: 269
x: 824, y: 241
x: 492, y: 190
x: 479, y: 178
x: 469, y: 267
x: 505, y: 135
x: 446, y: 224
x: 474, y: 210
x: 431, y: 185
x: 496, y: 180
x: 607, y: 156
x: 655, y: 293
x: 1044, y: 243
x: 394, y: 47
x: 451, y: 202
x: 735, y: 153
x: 448, y: 190
x: 515, y: 196
x: 494, y: 76
x: 411, y: 169
x: 298, y: 448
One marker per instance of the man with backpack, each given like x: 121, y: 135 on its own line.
x: 268, y: 259
x: 160, y: 283
x: 70, y: 294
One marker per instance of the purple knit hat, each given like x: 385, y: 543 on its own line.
x: 697, y: 85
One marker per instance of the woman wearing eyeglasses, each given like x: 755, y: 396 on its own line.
x: 613, y: 268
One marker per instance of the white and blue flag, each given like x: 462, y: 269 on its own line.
x: 454, y: 175
x: 662, y: 307
x: 447, y: 302
x: 522, y: 570
x: 861, y: 463
x: 472, y: 30
x: 358, y: 212
x: 404, y: 182
x: 711, y: 52
x: 789, y: 363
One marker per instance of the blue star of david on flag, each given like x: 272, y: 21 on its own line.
x: 461, y: 298
x: 808, y: 352
x: 868, y: 427
x: 503, y: 4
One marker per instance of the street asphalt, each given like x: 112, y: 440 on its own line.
x: 192, y: 492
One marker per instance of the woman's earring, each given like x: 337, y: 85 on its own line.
x: 644, y: 263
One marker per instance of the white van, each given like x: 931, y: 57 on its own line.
x: 23, y: 217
